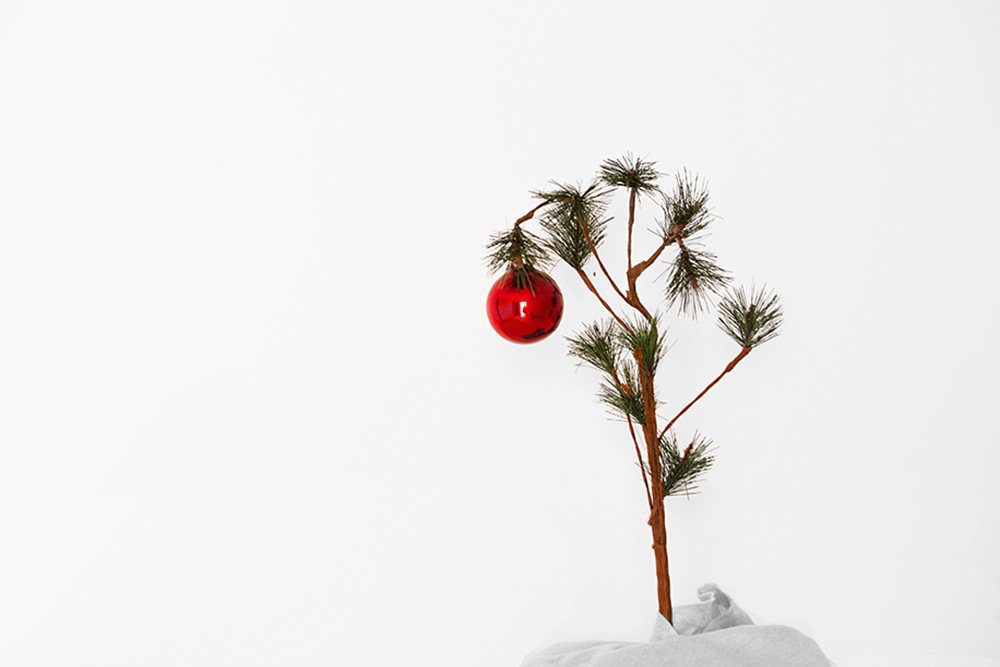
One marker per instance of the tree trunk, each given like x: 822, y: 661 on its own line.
x: 658, y: 524
x: 657, y: 518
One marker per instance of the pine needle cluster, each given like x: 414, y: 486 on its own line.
x: 750, y: 319
x: 685, y: 210
x: 694, y: 275
x: 610, y: 349
x: 603, y: 346
x: 631, y: 173
x: 520, y: 250
x: 681, y: 471
x: 574, y: 220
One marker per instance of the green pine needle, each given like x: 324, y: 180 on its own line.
x: 751, y: 320
x: 624, y: 398
x: 574, y: 210
x: 693, y: 277
x: 682, y: 471
x: 602, y: 346
x: 632, y: 173
x: 505, y: 247
x: 597, y: 345
x: 645, y: 336
x: 686, y: 210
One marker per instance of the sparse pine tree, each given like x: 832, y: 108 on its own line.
x: 627, y: 348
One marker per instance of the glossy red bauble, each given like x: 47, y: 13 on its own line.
x: 526, y: 314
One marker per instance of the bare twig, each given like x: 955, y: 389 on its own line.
x: 631, y: 429
x: 638, y: 453
x: 590, y: 286
x: 593, y: 249
x: 732, y: 364
x: 631, y: 220
x: 530, y: 214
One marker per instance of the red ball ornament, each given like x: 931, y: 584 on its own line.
x: 525, y: 314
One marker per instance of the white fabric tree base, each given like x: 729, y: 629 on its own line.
x: 714, y: 633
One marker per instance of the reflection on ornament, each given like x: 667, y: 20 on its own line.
x: 525, y: 314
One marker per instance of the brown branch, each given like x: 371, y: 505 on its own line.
x: 529, y: 215
x: 593, y: 249
x: 638, y: 453
x: 657, y: 518
x: 631, y: 274
x: 590, y: 286
x: 649, y: 426
x: 732, y: 364
x: 633, y: 300
x: 635, y: 271
x: 631, y: 220
x: 638, y: 269
x: 631, y: 429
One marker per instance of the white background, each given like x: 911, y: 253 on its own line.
x: 251, y: 410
